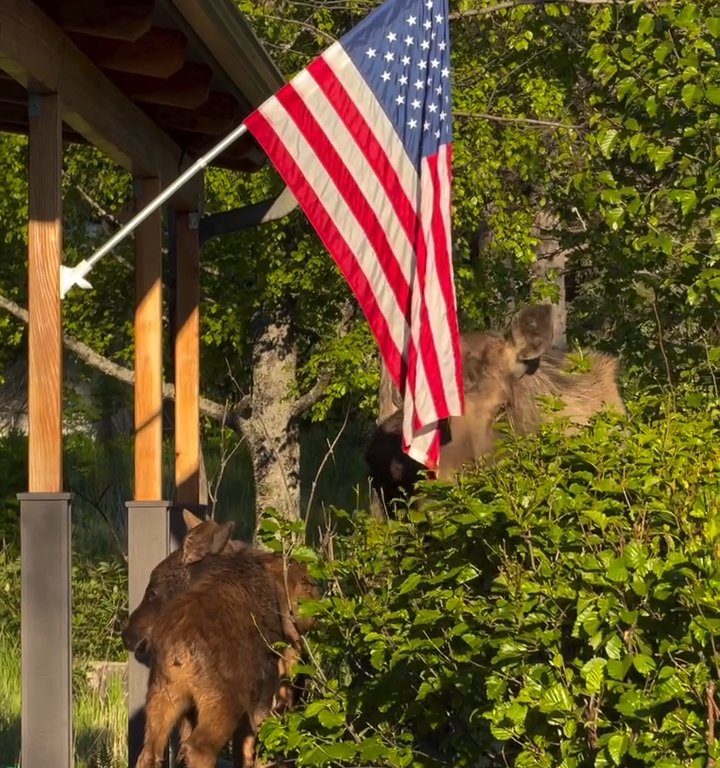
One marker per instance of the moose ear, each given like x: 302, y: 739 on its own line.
x: 191, y: 521
x: 207, y: 538
x: 221, y: 537
x: 531, y: 331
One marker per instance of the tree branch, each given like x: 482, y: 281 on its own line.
x: 306, y: 401
x: 214, y: 410
x: 529, y: 120
x: 455, y: 15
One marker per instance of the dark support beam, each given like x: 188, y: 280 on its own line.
x: 187, y: 360
x: 227, y: 222
x: 45, y: 630
x: 188, y: 88
x: 216, y: 117
x: 158, y: 53
x: 119, y: 20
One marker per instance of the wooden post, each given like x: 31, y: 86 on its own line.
x: 148, y: 514
x: 148, y: 347
x: 45, y: 324
x: 187, y: 361
x: 45, y: 512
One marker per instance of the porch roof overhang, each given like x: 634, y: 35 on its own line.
x: 153, y: 83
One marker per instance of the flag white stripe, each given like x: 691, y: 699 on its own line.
x: 448, y: 362
x: 362, y: 172
x: 334, y: 203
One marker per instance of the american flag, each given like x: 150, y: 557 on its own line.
x: 363, y: 139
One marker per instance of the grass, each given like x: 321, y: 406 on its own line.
x: 99, y: 722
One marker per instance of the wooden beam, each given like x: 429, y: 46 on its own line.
x: 187, y: 360
x: 125, y: 20
x: 37, y: 53
x: 244, y: 155
x: 234, y: 45
x: 45, y: 320
x: 157, y: 53
x: 148, y: 347
x: 188, y: 88
x: 216, y: 117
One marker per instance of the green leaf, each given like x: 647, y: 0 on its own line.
x: 646, y: 24
x: 644, y: 664
x: 617, y: 570
x: 342, y: 750
x: 713, y: 94
x: 593, y: 673
x: 685, y: 197
x: 617, y: 746
x: 690, y: 94
x: 410, y: 583
x: 606, y: 140
x: 556, y: 699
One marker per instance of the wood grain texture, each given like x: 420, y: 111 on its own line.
x: 148, y: 347
x: 45, y: 320
x: 187, y: 364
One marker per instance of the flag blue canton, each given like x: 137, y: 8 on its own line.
x: 402, y: 50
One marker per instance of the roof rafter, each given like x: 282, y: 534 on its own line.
x: 38, y: 54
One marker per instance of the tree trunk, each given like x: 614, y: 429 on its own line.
x: 272, y: 431
x: 388, y: 396
x: 551, y: 257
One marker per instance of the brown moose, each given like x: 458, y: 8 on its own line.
x: 207, y: 623
x: 510, y: 373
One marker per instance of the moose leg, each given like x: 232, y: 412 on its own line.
x: 215, y: 725
x: 162, y: 710
x: 244, y: 744
x: 285, y: 696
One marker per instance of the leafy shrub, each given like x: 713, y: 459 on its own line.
x: 559, y: 608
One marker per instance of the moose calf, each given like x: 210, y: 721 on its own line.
x: 509, y: 372
x: 206, y: 624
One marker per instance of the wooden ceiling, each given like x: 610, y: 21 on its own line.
x: 193, y: 67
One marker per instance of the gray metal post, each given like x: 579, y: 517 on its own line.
x: 45, y: 630
x: 148, y: 544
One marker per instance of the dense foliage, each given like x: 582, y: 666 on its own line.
x: 559, y: 608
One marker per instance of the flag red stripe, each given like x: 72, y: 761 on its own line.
x: 350, y: 191
x: 329, y: 234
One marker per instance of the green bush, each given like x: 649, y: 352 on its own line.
x: 558, y: 608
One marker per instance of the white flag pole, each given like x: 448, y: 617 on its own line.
x: 70, y: 276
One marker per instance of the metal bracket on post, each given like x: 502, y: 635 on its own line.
x: 34, y: 104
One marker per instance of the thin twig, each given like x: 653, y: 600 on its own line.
x: 712, y: 711
x: 470, y: 12
x: 528, y: 120
x: 328, y: 454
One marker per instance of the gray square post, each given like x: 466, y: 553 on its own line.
x: 148, y: 544
x: 45, y: 630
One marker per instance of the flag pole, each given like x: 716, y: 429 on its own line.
x: 70, y: 276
